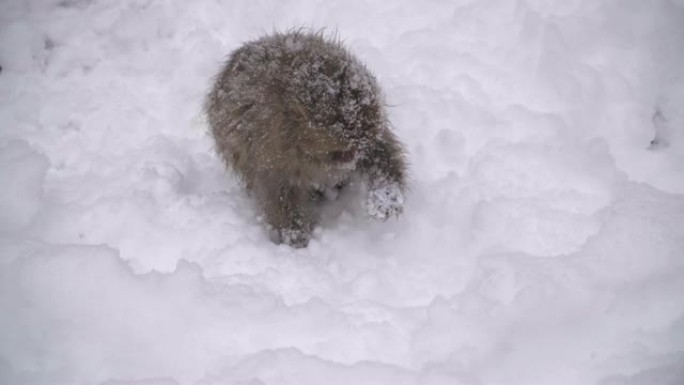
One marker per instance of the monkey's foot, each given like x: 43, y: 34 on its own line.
x: 384, y: 202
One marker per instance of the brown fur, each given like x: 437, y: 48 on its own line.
x: 295, y: 112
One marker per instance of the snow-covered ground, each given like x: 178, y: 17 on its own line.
x: 542, y: 240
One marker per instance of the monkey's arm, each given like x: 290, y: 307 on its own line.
x: 286, y: 210
x: 385, y: 166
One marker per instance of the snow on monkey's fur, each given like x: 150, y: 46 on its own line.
x: 295, y: 115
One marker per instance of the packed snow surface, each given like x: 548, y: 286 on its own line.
x: 542, y: 238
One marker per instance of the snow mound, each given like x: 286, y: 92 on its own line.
x: 543, y: 226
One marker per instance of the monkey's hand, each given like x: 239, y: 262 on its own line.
x: 385, y: 201
x: 297, y: 238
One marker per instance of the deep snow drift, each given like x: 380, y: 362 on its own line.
x: 542, y: 240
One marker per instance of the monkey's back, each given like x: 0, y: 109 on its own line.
x: 285, y: 101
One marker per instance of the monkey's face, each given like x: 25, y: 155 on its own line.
x: 322, y: 146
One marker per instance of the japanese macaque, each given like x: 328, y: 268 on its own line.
x: 295, y: 115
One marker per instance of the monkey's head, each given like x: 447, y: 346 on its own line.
x: 336, y: 129
x: 326, y: 146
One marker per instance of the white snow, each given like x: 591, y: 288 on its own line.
x: 541, y: 240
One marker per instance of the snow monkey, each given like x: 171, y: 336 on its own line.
x: 296, y: 115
